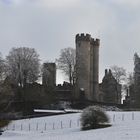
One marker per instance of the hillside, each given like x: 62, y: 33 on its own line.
x: 125, y: 126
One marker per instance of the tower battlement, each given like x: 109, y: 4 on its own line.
x: 87, y: 37
x: 95, y: 42
x: 83, y: 37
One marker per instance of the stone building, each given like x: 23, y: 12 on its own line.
x: 87, y: 67
x: 49, y: 74
x: 110, y: 89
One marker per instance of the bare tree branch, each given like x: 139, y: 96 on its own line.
x: 119, y: 73
x: 66, y: 62
x: 23, y: 65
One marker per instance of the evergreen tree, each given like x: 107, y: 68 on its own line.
x: 137, y: 79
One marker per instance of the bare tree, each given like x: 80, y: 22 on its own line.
x: 66, y: 62
x: 130, y: 79
x: 23, y: 65
x: 119, y: 73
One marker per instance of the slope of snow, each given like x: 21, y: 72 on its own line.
x: 125, y: 126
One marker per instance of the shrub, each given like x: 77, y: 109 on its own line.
x: 93, y: 117
x: 4, y: 123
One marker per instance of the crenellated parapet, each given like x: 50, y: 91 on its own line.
x: 95, y: 42
x: 83, y: 37
x: 87, y: 37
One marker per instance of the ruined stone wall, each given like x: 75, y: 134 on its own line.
x: 49, y: 74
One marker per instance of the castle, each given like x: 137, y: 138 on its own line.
x: 87, y: 75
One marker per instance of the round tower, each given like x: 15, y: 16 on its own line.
x: 87, y: 67
x: 83, y: 65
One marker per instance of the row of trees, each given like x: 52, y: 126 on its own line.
x: 22, y: 66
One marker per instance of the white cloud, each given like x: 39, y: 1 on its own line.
x: 50, y: 25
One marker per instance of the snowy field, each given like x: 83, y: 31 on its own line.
x: 125, y: 126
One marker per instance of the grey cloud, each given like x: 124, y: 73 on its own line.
x: 49, y: 27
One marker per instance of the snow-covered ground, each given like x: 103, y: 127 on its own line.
x: 125, y: 126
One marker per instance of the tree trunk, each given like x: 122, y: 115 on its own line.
x: 70, y: 75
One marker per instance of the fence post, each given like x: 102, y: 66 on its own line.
x: 122, y: 117
x: 37, y: 127
x: 21, y: 128
x: 45, y: 127
x: 114, y: 118
x: 29, y: 127
x: 70, y: 123
x: 78, y: 121
x: 133, y: 117
x: 61, y: 125
x: 53, y: 126
x: 14, y: 127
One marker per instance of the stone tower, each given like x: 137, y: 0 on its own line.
x: 87, y: 66
x: 49, y: 74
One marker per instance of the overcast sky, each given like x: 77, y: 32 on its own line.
x: 50, y: 25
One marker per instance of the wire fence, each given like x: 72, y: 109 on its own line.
x: 43, y: 126
x: 123, y: 117
x: 29, y: 125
